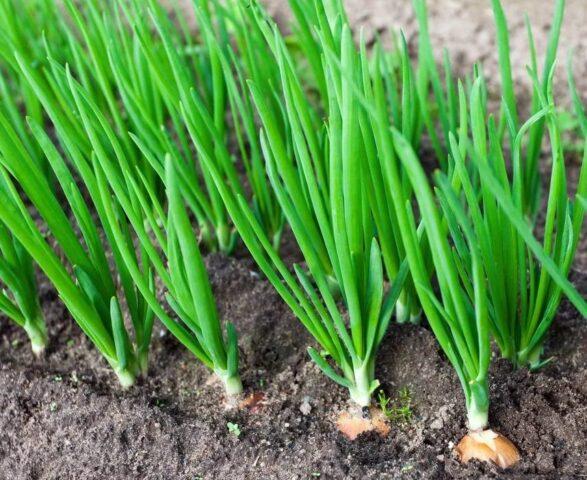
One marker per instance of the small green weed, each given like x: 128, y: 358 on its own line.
x: 398, y: 410
x: 234, y: 429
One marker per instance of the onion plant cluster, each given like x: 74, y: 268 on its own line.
x: 140, y: 69
x: 491, y: 276
x: 487, y: 254
x: 494, y: 278
x: 77, y: 264
x: 317, y: 28
x: 91, y: 144
x: 202, y: 93
x: 525, y: 280
x: 131, y: 145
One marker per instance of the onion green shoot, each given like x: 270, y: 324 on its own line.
x: 531, y: 195
x: 323, y: 43
x: 459, y: 313
x: 126, y: 214
x: 324, y: 197
x: 170, y: 245
x: 480, y: 255
x: 115, y: 55
x: 459, y: 317
x: 524, y: 295
x: 180, y: 268
x: 25, y: 28
x: 82, y: 278
x: 19, y: 299
x: 200, y: 93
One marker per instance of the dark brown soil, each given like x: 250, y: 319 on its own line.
x: 66, y: 418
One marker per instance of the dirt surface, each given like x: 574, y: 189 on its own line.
x: 466, y: 29
x: 66, y: 418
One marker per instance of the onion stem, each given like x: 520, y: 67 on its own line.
x: 478, y: 405
x: 125, y: 377
x: 37, y: 333
x: 360, y: 392
x: 233, y: 385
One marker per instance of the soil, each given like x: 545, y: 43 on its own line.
x: 466, y: 29
x: 65, y: 417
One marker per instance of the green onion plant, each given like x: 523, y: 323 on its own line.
x: 323, y: 191
x: 119, y: 52
x: 167, y: 245
x: 202, y: 86
x: 170, y: 245
x: 531, y: 194
x: 455, y: 305
x: 458, y: 312
x: 77, y: 265
x: 524, y: 292
x: 319, y: 27
x: 488, y: 276
x: 19, y: 299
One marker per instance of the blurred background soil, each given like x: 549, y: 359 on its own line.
x: 466, y: 29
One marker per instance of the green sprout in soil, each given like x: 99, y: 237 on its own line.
x: 485, y: 255
x: 459, y: 313
x: 398, y: 410
x: 168, y: 247
x: 179, y: 267
x: 233, y: 429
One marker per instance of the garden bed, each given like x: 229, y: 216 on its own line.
x: 66, y: 417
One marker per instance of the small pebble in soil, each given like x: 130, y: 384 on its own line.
x: 437, y: 424
x: 305, y: 407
